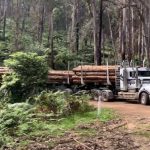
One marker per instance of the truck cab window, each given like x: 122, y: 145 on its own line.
x: 133, y: 74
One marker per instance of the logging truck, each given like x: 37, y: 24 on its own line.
x: 110, y: 82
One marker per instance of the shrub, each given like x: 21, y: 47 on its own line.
x: 78, y: 103
x: 62, y: 103
x: 49, y: 101
x: 11, y: 117
x: 28, y: 76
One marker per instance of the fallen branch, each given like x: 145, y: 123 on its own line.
x: 82, y: 144
x: 65, y: 141
x: 118, y: 126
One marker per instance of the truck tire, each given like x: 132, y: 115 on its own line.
x: 95, y: 94
x: 144, y: 98
x: 105, y: 97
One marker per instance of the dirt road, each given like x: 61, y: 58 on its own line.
x: 137, y: 117
x: 128, y: 109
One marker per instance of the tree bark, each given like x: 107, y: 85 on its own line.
x: 17, y: 25
x: 97, y: 33
x: 41, y: 21
x: 129, y: 32
x: 123, y: 34
x: 4, y: 20
x: 112, y: 38
x: 100, y: 33
x: 75, y: 27
x: 50, y: 40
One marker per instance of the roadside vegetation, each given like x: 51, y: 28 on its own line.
x: 23, y: 120
x: 29, y: 109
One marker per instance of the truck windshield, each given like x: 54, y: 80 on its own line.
x: 144, y: 73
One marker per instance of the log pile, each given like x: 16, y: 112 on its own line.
x: 81, y: 74
x: 93, y: 74
x: 60, y: 76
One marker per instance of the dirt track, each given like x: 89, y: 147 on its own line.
x: 127, y: 109
x: 135, y: 114
x: 137, y: 117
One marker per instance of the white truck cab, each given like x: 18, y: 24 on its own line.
x: 135, y: 84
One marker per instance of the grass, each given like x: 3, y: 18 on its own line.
x: 57, y: 128
x: 86, y: 132
x: 38, y: 127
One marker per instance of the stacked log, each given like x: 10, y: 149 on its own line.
x: 60, y: 76
x: 93, y: 74
x: 81, y: 74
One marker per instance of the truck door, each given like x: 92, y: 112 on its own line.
x: 132, y: 80
x: 123, y: 80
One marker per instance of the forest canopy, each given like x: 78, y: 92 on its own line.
x: 74, y: 31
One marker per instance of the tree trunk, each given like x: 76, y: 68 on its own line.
x: 50, y: 40
x: 17, y: 25
x: 119, y: 54
x: 4, y: 20
x: 140, y: 40
x: 97, y: 43
x: 133, y: 37
x: 129, y: 32
x: 112, y: 38
x: 147, y: 33
x: 23, y: 16
x: 100, y: 33
x: 74, y: 37
x: 77, y: 27
x: 41, y: 21
x: 148, y: 50
x: 123, y: 34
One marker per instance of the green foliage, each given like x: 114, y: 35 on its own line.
x: 62, y: 103
x: 49, y: 101
x: 78, y: 103
x: 42, y: 126
x: 10, y: 118
x: 22, y: 119
x: 62, y: 58
x: 4, y: 52
x: 29, y: 73
x: 12, y: 115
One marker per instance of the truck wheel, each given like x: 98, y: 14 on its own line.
x: 95, y: 98
x: 104, y: 97
x: 95, y: 94
x: 144, y: 99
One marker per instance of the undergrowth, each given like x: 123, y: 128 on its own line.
x: 53, y: 114
x: 30, y: 126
